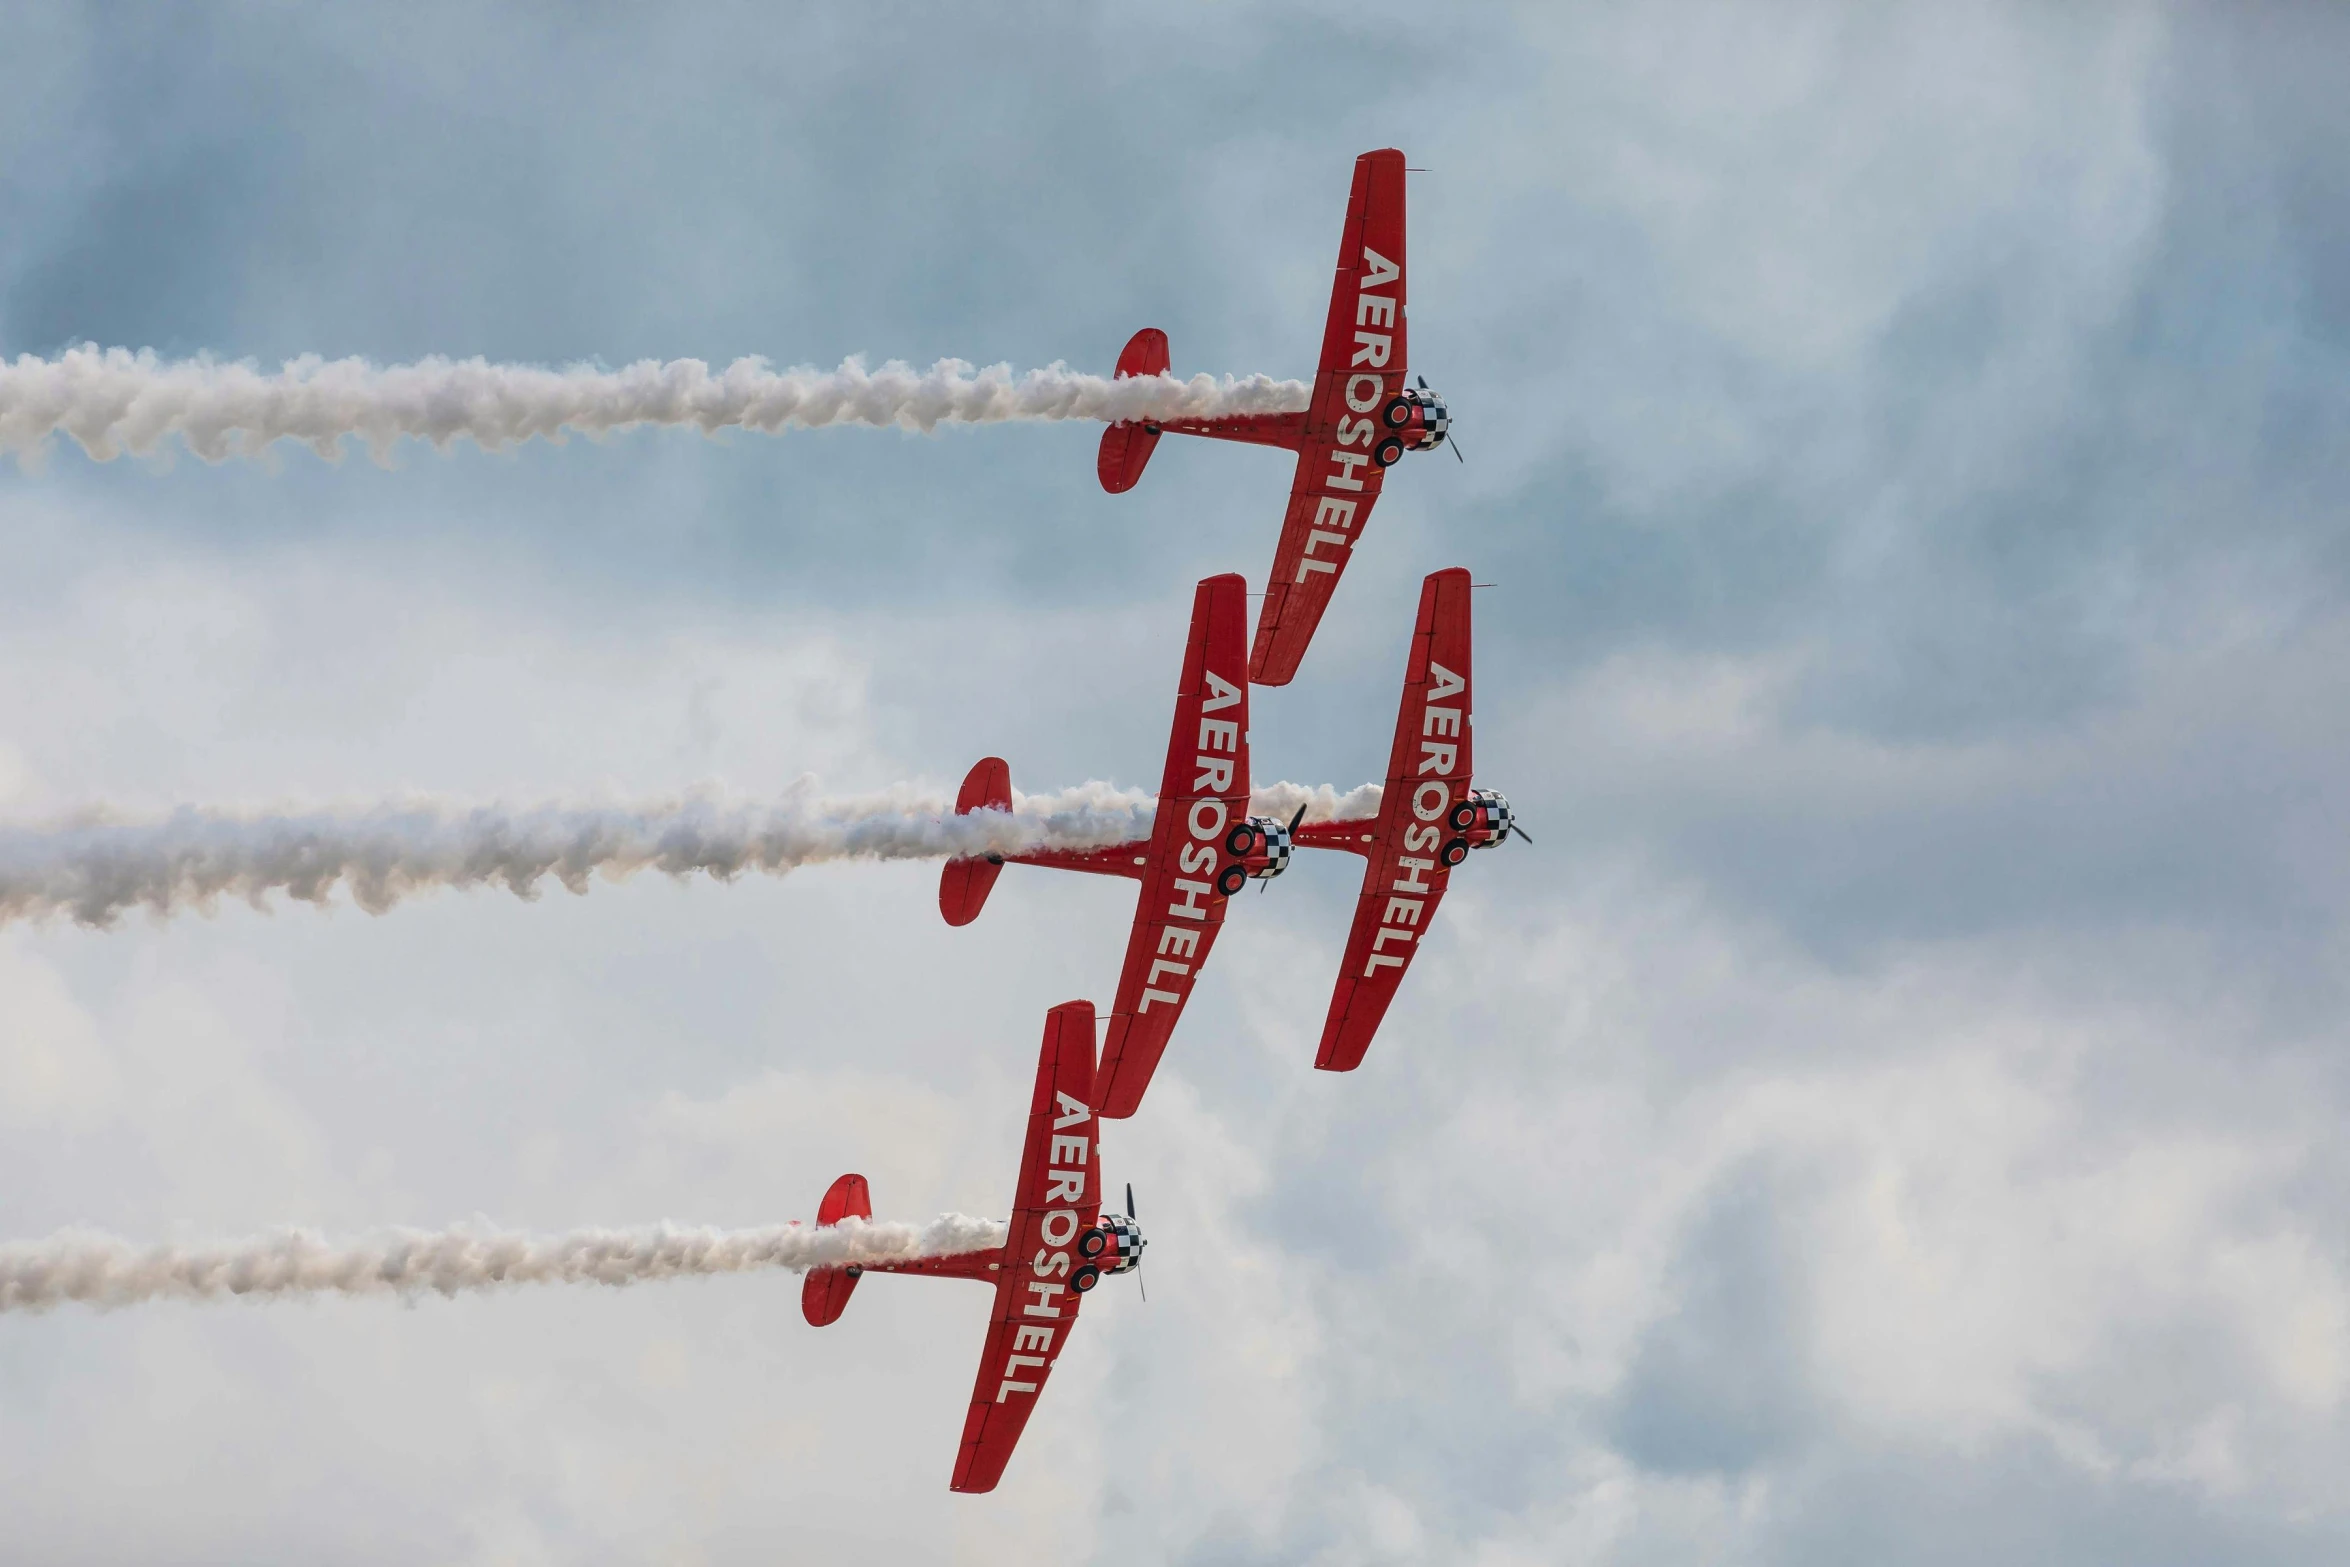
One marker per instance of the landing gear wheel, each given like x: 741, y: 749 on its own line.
x: 1397, y: 413
x: 1085, y: 1278
x: 1240, y: 839
x: 1234, y: 878
x: 1464, y: 816
x: 1090, y: 1244
x: 1455, y: 850
x: 1388, y: 452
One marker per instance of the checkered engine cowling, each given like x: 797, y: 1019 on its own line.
x: 1122, y: 1244
x: 1435, y: 418
x: 1273, y: 837
x: 1493, y: 817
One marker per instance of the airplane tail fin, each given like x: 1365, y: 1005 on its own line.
x: 825, y: 1292
x: 964, y: 885
x: 1126, y: 448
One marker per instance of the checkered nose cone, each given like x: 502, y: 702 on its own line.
x: 1496, y: 816
x: 1275, y: 837
x: 1435, y: 420
x: 1123, y: 1254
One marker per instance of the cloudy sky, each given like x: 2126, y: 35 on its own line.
x: 1893, y: 1115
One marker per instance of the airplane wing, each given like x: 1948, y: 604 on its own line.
x: 1059, y: 1198
x: 1202, y: 797
x: 1363, y: 364
x: 1416, y: 844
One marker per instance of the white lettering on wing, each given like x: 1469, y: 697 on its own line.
x: 1067, y: 1154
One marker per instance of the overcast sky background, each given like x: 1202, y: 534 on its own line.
x: 1894, y: 1115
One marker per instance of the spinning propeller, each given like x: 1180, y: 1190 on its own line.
x: 1138, y: 1284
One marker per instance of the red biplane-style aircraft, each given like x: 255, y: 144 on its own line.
x: 1203, y: 847
x: 1362, y: 420
x: 1429, y: 819
x: 1058, y: 1247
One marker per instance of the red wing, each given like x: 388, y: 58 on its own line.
x: 1428, y: 774
x: 1202, y: 797
x: 1370, y: 260
x: 1363, y: 364
x: 1059, y: 1198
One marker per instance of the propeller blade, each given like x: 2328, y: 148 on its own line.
x: 1138, y: 1284
x: 1455, y: 444
x: 1299, y: 817
x: 1423, y: 380
x: 1521, y: 832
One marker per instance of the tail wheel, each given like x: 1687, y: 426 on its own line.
x: 1090, y: 1244
x: 1464, y: 816
x: 1397, y: 413
x: 1388, y: 452
x: 1234, y: 878
x: 1455, y: 850
x: 1085, y: 1278
x: 1240, y: 839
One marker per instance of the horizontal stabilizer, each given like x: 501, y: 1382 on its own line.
x: 825, y: 1292
x: 964, y: 885
x: 1127, y: 447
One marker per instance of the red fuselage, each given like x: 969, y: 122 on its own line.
x: 981, y: 1265
x: 1132, y: 859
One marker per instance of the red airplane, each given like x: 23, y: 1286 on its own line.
x: 1203, y: 847
x: 1362, y: 420
x: 1429, y: 819
x: 1058, y: 1247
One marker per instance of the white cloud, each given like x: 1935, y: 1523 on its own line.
x: 55, y: 1070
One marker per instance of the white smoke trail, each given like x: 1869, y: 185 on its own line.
x: 111, y: 401
x: 94, y: 870
x: 1322, y: 802
x: 98, y: 1270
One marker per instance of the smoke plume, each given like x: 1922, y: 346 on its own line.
x: 99, y: 1270
x: 1322, y: 802
x: 111, y: 401
x: 95, y: 869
